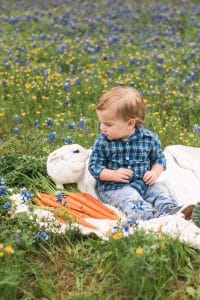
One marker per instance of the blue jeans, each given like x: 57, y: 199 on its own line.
x: 156, y: 201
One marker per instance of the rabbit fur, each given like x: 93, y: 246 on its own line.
x: 67, y: 164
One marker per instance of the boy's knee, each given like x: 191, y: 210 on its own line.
x: 160, y: 188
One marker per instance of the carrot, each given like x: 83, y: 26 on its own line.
x: 99, y: 203
x: 59, y: 210
x: 38, y: 201
x: 95, y: 207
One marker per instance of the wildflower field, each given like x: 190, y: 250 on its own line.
x: 57, y: 57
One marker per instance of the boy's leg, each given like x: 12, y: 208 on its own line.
x: 129, y: 201
x: 159, y: 196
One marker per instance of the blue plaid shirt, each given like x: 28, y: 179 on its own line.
x: 139, y: 153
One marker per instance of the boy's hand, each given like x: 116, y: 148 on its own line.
x: 122, y: 175
x: 150, y: 177
x: 119, y: 175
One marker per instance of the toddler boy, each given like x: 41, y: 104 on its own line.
x: 127, y: 159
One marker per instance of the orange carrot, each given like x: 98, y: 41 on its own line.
x: 59, y: 210
x: 99, y: 203
x: 96, y: 208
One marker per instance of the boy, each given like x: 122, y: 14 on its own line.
x: 127, y: 159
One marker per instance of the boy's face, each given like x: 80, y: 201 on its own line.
x: 112, y: 127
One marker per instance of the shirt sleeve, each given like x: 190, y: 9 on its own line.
x: 97, y: 160
x: 157, y: 155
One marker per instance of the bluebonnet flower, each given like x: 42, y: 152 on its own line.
x: 68, y: 140
x: 66, y: 102
x: 2, y: 181
x: 7, y: 205
x: 67, y: 86
x: 4, y: 82
x: 132, y: 60
x: 196, y: 128
x: 16, y: 130
x: 42, y: 235
x: 36, y: 123
x: 16, y: 119
x: 121, y: 68
x: 78, y: 81
x: 52, y: 136
x: 49, y: 122
x: 25, y: 194
x: 82, y: 123
x: 71, y: 126
x: 3, y: 190
x: 59, y: 196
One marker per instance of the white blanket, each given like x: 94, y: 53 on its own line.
x: 183, y: 178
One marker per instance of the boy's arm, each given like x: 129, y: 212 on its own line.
x: 151, y: 176
x: 158, y: 163
x: 119, y: 175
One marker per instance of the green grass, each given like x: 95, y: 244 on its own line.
x: 45, y: 45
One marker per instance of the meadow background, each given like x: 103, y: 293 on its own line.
x: 56, y: 60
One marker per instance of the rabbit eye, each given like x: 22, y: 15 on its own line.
x: 76, y: 151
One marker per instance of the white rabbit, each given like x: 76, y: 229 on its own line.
x: 66, y: 164
x: 86, y: 183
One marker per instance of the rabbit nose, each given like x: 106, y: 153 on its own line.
x: 76, y: 151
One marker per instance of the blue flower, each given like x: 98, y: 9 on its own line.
x: 59, y: 197
x: 2, y: 181
x: 196, y: 128
x: 66, y: 102
x: 71, y: 126
x: 3, y: 190
x: 52, y: 136
x: 1, y: 142
x: 36, y: 123
x: 25, y: 194
x: 68, y: 140
x: 49, y: 122
x: 7, y: 205
x: 42, y: 236
x: 67, y: 86
x: 16, y: 130
x: 4, y: 82
x: 132, y: 60
x: 82, y: 123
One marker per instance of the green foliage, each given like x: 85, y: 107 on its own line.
x: 45, y: 45
x: 18, y: 170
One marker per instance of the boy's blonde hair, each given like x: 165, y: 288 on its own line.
x: 127, y: 102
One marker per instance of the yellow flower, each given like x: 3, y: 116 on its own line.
x: 118, y: 235
x: 1, y: 254
x: 8, y: 249
x: 1, y: 245
x: 162, y: 245
x: 139, y: 251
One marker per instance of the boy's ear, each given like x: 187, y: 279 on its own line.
x: 131, y: 122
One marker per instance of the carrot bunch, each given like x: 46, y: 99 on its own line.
x: 75, y: 206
